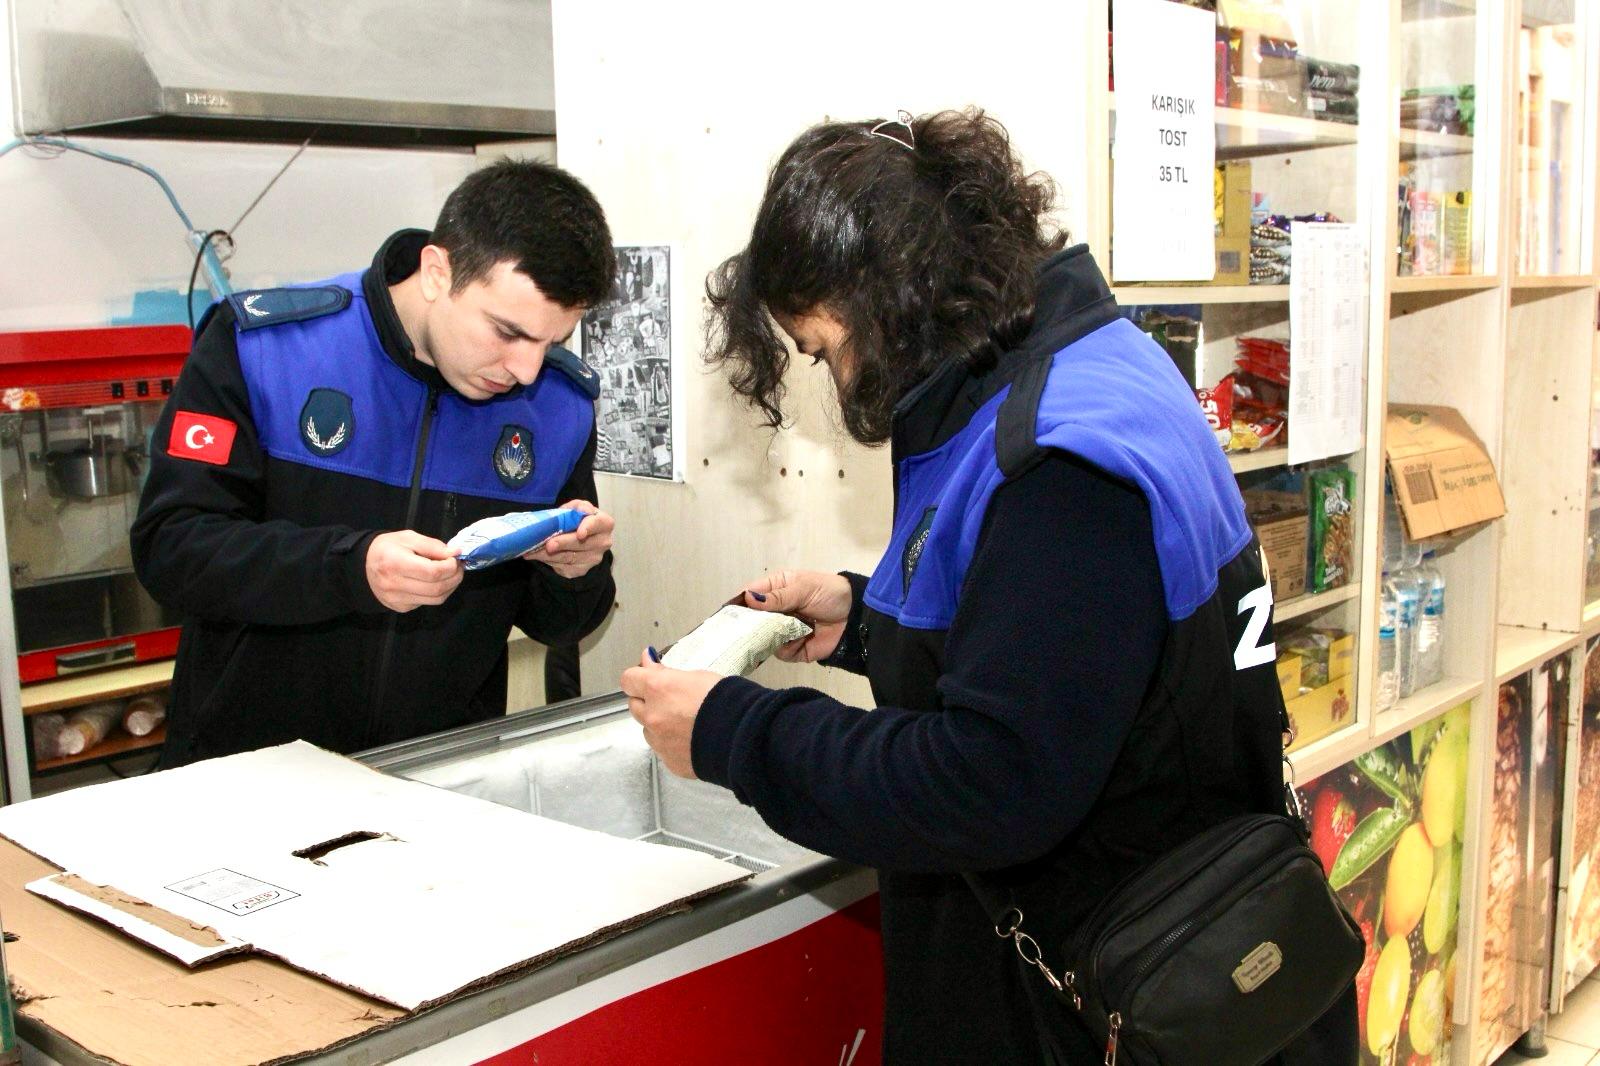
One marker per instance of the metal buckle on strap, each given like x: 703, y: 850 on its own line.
x: 1292, y: 795
x: 1010, y: 928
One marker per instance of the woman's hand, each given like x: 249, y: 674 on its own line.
x: 820, y: 600
x: 666, y: 702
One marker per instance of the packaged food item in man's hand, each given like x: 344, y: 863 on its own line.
x: 494, y: 540
x: 734, y: 641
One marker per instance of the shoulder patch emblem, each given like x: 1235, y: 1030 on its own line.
x: 269, y: 307
x: 513, y: 456
x: 913, y: 552
x: 580, y: 373
x: 327, y: 422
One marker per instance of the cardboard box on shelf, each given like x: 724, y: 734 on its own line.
x: 1279, y: 519
x: 1317, y: 713
x: 1233, y: 263
x: 1264, y: 73
x: 1289, y: 674
x: 1233, y: 200
x: 1276, y: 18
x: 1443, y: 478
x: 1341, y: 656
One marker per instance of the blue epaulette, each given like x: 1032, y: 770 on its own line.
x: 270, y: 307
x: 559, y: 358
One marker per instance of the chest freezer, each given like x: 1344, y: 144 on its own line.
x: 784, y: 968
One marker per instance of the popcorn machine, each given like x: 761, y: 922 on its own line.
x: 76, y: 412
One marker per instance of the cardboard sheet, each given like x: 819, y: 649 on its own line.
x: 1443, y: 478
x: 131, y: 1005
x: 404, y: 892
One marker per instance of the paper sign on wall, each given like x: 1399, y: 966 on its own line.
x: 1327, y: 337
x: 1162, y: 197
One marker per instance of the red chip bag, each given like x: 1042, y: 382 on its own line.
x: 1217, y: 405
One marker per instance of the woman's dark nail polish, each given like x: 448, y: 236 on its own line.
x: 655, y: 656
x: 758, y: 597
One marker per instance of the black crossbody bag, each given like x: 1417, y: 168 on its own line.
x: 1222, y: 951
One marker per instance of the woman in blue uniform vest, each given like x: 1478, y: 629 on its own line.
x: 1069, y: 636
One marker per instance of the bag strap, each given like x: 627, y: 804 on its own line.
x: 1004, y: 913
x: 1007, y: 917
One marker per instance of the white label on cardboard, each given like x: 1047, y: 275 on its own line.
x: 232, y: 892
x: 1163, y: 197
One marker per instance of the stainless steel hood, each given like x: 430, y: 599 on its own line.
x: 394, y: 72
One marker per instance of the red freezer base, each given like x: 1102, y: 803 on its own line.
x: 799, y: 983
x: 814, y: 996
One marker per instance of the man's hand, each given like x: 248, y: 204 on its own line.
x: 666, y: 702
x: 575, y: 554
x: 407, y: 570
x: 820, y: 600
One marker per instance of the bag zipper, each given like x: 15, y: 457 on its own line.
x: 390, y: 630
x: 1156, y: 952
x: 1082, y: 942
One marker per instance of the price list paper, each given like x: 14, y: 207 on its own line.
x: 1164, y: 58
x: 1327, y: 336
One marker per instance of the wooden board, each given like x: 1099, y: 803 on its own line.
x: 102, y: 685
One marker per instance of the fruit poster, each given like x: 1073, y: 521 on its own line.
x: 1388, y: 828
x: 1520, y: 889
x: 1583, y: 888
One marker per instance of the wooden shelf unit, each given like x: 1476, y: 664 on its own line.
x: 121, y: 682
x: 114, y: 746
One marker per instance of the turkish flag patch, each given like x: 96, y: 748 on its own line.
x: 206, y: 438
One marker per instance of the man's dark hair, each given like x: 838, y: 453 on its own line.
x: 924, y: 245
x: 539, y: 218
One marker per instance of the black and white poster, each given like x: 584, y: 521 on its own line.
x: 627, y: 340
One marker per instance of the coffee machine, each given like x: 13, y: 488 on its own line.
x: 77, y: 409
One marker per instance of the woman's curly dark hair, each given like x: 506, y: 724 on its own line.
x: 926, y: 254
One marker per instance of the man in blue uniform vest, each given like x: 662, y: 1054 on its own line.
x: 324, y: 441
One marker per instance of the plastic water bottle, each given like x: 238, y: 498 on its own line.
x: 1411, y: 554
x: 1430, y: 626
x: 1408, y: 607
x: 1393, y: 535
x: 1388, y: 647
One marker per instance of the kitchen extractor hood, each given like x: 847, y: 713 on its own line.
x: 382, y: 72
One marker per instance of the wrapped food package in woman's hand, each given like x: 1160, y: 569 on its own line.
x: 734, y: 641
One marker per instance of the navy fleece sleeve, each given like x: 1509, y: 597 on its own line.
x: 851, y: 652
x: 1055, y: 642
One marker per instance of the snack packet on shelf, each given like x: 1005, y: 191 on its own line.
x: 1251, y: 435
x: 1333, y: 533
x: 1217, y: 405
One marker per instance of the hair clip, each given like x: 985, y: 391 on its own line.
x: 908, y: 141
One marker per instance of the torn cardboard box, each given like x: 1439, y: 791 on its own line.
x: 1443, y: 478
x: 120, y: 1002
x: 395, y: 889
